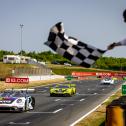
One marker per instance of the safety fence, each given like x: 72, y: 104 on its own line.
x: 24, y: 71
x: 31, y: 71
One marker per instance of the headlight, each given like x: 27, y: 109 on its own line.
x: 19, y: 100
x: 65, y: 89
x: 52, y: 90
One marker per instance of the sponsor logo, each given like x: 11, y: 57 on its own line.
x: 16, y: 80
x: 81, y: 74
x: 5, y: 101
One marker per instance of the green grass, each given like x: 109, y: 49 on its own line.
x: 65, y: 70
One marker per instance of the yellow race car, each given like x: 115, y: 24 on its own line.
x: 63, y: 89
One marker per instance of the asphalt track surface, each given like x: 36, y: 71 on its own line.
x: 61, y: 111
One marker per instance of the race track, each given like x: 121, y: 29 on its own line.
x: 61, y: 111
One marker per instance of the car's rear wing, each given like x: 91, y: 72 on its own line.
x: 71, y: 85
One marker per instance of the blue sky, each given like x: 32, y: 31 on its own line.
x: 97, y: 22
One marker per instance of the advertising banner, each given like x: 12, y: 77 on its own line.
x: 81, y: 74
x: 16, y: 80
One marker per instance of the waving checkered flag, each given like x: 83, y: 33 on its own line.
x: 69, y: 47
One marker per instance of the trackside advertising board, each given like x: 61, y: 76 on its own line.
x: 81, y: 74
x: 17, y: 80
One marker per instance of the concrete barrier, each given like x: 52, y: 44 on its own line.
x: 43, y: 77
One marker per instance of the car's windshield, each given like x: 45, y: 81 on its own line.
x: 107, y: 79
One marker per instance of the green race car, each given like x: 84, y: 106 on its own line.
x: 64, y: 89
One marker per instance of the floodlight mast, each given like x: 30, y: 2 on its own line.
x: 21, y: 26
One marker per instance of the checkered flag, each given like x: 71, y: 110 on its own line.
x: 69, y: 47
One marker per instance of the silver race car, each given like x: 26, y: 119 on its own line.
x: 107, y: 80
x: 17, y: 100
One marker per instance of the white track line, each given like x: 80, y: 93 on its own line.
x: 82, y: 99
x: 57, y: 110
x: 57, y: 99
x: 91, y: 94
x: 40, y: 112
x: 67, y: 104
x: 47, y: 112
x: 73, y: 124
x: 14, y: 123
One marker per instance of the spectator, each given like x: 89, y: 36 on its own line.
x: 120, y: 43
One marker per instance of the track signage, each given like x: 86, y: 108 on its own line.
x: 16, y: 80
x: 81, y: 74
x: 124, y: 89
x: 69, y: 77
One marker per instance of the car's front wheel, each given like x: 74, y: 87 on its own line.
x: 25, y: 107
x: 33, y: 103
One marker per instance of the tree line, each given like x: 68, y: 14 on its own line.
x: 108, y: 63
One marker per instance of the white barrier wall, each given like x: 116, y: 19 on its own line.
x: 44, y: 77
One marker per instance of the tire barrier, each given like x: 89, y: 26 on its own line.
x: 116, y: 112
